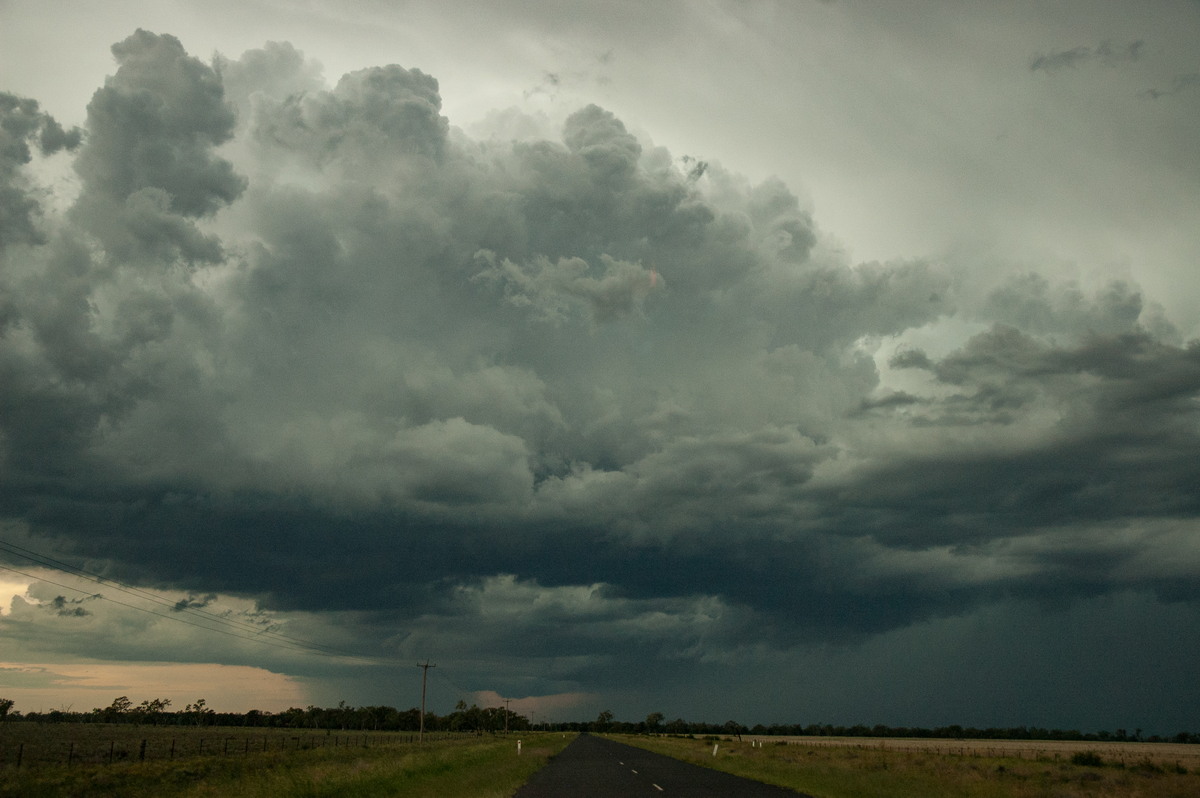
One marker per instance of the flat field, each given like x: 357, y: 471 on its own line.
x: 34, y: 745
x: 1117, y: 753
x: 853, y: 768
x: 488, y: 767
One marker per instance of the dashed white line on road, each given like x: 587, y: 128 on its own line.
x: 655, y: 786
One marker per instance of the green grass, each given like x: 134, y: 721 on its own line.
x: 829, y: 772
x: 483, y: 767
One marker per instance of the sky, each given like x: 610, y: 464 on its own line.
x: 783, y: 362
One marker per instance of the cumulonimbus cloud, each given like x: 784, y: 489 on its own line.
x: 287, y: 329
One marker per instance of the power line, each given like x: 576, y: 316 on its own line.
x: 236, y: 627
x: 295, y: 645
x: 50, y: 562
x: 263, y: 636
x: 159, y: 614
x: 462, y: 694
x: 424, y: 676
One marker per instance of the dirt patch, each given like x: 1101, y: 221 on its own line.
x: 547, y: 752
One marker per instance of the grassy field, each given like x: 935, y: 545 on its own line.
x: 1165, y: 754
x: 464, y: 766
x: 41, y: 744
x: 847, y: 771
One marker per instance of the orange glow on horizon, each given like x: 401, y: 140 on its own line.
x: 42, y: 687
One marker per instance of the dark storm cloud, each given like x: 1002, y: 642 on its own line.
x: 1180, y: 83
x: 318, y: 347
x: 1118, y: 451
x: 1106, y: 54
x: 379, y: 112
x: 1030, y: 302
x: 154, y: 125
x: 278, y: 71
x: 194, y: 602
x: 147, y: 171
x: 21, y: 124
x: 70, y: 608
x: 148, y: 167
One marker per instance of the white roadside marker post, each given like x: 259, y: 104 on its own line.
x: 518, y: 747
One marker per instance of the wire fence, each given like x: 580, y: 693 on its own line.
x: 68, y: 745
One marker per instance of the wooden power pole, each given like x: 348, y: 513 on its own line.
x: 424, y: 675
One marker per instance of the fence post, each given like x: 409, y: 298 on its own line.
x: 20, y: 754
x: 142, y: 752
x: 111, y: 744
x: 71, y: 753
x: 172, y: 748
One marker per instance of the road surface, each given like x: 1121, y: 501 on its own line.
x: 591, y: 767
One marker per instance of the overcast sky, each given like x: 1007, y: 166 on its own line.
x: 783, y: 362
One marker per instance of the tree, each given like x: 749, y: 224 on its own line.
x: 604, y: 720
x: 118, y: 709
x: 152, y: 710
x: 199, y: 712
x: 652, y: 721
x: 292, y: 717
x: 5, y: 705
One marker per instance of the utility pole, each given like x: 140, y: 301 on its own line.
x: 507, y: 701
x: 424, y: 675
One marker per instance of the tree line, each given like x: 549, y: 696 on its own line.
x: 157, y: 712
x: 956, y: 732
x: 654, y: 724
x: 478, y: 719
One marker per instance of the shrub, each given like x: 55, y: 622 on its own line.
x: 1147, y: 766
x: 1087, y: 759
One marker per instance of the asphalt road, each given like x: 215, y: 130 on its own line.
x: 591, y: 767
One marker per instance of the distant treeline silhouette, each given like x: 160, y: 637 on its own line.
x: 342, y: 717
x: 941, y: 732
x: 1011, y: 733
x: 496, y: 719
x: 654, y: 725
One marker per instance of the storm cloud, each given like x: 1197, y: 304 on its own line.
x: 1106, y: 54
x: 571, y: 401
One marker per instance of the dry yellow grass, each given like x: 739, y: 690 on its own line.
x: 856, y: 767
x: 1187, y: 756
x: 481, y: 767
